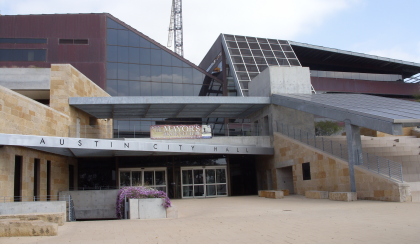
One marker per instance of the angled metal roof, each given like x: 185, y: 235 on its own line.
x: 169, y: 107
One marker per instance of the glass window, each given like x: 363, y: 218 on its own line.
x: 286, y: 48
x: 246, y: 52
x: 112, y: 87
x: 177, y: 90
x: 221, y: 189
x: 134, y: 88
x: 145, y: 88
x: 252, y: 75
x: 188, y: 90
x: 111, y: 24
x: 166, y: 89
x: 156, y: 57
x: 197, y: 89
x: 240, y: 38
x: 144, y: 56
x: 166, y: 58
x: 187, y: 75
x: 176, y: 62
x: 122, y: 71
x: 133, y: 55
x: 220, y: 176
x: 156, y: 89
x: 283, y: 42
x: 268, y: 53
x: 271, y: 61
x: 257, y: 53
x: 242, y: 75
x: 254, y: 45
x: 185, y: 65
x: 149, y: 178
x: 166, y: 74
x: 210, y: 176
x: 234, y: 51
x: 290, y: 55
x: 244, y: 84
x: 133, y: 39
x: 145, y: 72
x: 136, y: 178
x: 124, y: 177
x: 112, y: 53
x: 279, y: 54
x: 232, y: 44
x: 160, y: 178
x: 144, y: 43
x: 251, y: 68
x: 237, y: 59
x: 243, y: 45
x: 283, y: 62
x: 249, y: 60
x: 156, y: 72
x: 112, y: 37
x: 275, y: 47
x: 240, y: 67
x: 210, y: 190
x: 112, y: 71
x: 177, y: 75
x: 122, y: 37
x: 272, y: 41
x: 265, y: 46
x: 198, y: 77
x: 123, y: 54
x: 251, y: 39
x: 294, y: 62
x: 260, y: 60
x: 262, y: 40
x: 123, y: 88
x: 133, y: 72
x: 229, y: 38
x: 198, y: 176
x: 262, y: 67
x: 154, y: 46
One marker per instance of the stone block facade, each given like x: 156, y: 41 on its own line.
x: 343, y: 196
x: 317, y: 194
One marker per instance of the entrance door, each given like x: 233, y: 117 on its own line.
x: 199, y: 182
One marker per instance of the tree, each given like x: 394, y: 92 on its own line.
x: 326, y: 128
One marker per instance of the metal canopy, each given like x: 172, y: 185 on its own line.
x: 169, y: 107
x: 377, y: 113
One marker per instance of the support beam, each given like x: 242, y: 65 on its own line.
x: 354, y: 147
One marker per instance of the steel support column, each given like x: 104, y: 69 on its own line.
x: 354, y: 147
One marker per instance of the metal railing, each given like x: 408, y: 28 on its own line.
x: 44, y: 198
x: 91, y: 131
x: 373, y: 163
x: 247, y: 129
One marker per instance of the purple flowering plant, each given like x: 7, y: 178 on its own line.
x: 136, y: 192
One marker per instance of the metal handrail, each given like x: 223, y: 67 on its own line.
x: 373, y: 163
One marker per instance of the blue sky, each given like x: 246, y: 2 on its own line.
x: 384, y: 28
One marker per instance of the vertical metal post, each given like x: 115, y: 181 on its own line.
x: 34, y: 199
x: 332, y: 150
x: 69, y: 207
x: 322, y: 143
x: 377, y: 161
x: 389, y: 168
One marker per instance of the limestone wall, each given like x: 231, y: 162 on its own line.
x: 328, y: 173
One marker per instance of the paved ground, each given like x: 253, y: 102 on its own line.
x: 250, y: 219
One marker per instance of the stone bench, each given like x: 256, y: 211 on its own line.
x: 17, y: 227
x: 58, y: 218
x: 343, y: 196
x: 271, y: 194
x: 316, y: 194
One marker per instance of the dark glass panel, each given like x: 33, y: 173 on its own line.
x: 242, y: 75
x: 249, y: 60
x: 40, y: 55
x: 112, y: 37
x: 166, y: 58
x: 154, y: 46
x: 134, y: 72
x: 144, y: 56
x: 188, y: 90
x: 145, y: 72
x: 294, y: 62
x: 262, y: 40
x: 166, y: 74
x: 145, y: 88
x: 166, y: 89
x: 237, y: 59
x: 268, y: 53
x: 123, y: 88
x: 246, y: 52
x: 177, y: 90
x: 177, y: 75
x: 144, y: 43
x: 234, y: 52
x: 257, y: 53
x: 134, y: 88
x: 244, y: 84
x: 251, y: 68
x: 133, y: 39
x: 112, y: 71
x: 254, y: 45
x: 262, y: 67
x: 197, y: 89
x: 287, y: 48
x: 221, y: 189
x: 156, y: 72
x: 122, y: 37
x: 240, y: 38
x: 275, y: 47
x: 176, y: 61
x: 156, y: 57
x: 229, y: 38
x: 279, y: 54
x: 240, y: 67
x: 252, y: 75
x: 290, y: 55
x: 271, y: 61
x: 251, y: 39
x: 187, y: 75
x: 112, y: 87
x: 197, y: 77
x: 260, y: 60
x: 283, y: 42
x: 122, y: 71
x: 272, y: 41
x: 133, y: 55
x: 111, y: 24
x: 265, y: 46
x: 243, y: 45
x: 232, y: 44
x: 112, y: 53
x: 283, y: 62
x: 123, y: 54
x: 156, y: 89
x: 185, y: 65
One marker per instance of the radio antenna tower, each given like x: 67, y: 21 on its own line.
x: 175, y: 28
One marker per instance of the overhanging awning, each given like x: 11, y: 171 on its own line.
x: 169, y: 107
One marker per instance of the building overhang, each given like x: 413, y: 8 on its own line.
x: 169, y: 106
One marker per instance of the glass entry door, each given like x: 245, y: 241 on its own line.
x: 207, y: 182
x: 151, y: 177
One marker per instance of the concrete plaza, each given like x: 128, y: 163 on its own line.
x: 250, y: 219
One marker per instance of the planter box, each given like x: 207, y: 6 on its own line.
x: 147, y: 208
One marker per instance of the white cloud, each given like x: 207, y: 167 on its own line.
x: 398, y: 52
x: 203, y: 20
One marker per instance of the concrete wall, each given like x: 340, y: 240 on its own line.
x: 328, y: 173
x: 25, y: 78
x: 96, y: 204
x: 10, y: 208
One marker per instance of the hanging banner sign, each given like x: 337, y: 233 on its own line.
x: 180, y: 132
